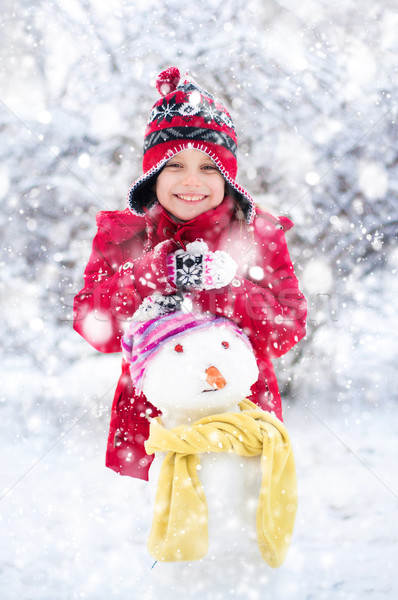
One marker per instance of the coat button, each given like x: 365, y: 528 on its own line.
x: 236, y: 282
x: 168, y: 232
x: 127, y: 265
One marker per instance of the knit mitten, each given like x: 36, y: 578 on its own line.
x: 199, y: 268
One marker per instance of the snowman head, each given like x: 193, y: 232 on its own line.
x: 190, y: 366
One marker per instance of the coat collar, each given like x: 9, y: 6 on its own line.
x: 122, y: 225
x: 207, y: 225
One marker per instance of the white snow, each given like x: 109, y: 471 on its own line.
x: 4, y: 181
x: 84, y: 160
x: 372, y: 179
x: 312, y: 178
x: 313, y: 91
x: 317, y: 277
x: 361, y: 64
x: 256, y: 272
x: 73, y: 529
x: 105, y: 120
x: 97, y: 327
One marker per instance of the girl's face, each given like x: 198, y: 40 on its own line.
x: 189, y: 185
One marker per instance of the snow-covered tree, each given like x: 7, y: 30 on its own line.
x: 311, y: 87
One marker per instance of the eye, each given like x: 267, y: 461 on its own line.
x: 178, y: 348
x: 225, y: 344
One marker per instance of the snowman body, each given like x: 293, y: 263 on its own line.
x: 204, y: 373
x: 232, y: 485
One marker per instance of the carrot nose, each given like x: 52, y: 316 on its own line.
x: 215, y: 379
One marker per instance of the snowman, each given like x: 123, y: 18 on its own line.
x: 222, y: 481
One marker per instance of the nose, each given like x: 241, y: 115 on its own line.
x: 215, y: 379
x: 191, y: 178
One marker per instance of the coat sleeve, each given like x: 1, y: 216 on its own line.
x: 114, y: 288
x: 266, y: 303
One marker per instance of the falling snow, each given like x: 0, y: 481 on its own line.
x: 312, y: 88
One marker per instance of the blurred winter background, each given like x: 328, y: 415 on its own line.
x: 312, y: 86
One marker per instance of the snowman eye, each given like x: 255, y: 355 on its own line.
x: 178, y: 348
x: 225, y: 344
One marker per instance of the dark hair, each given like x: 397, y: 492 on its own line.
x: 234, y: 195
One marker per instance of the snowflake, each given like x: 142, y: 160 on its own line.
x: 188, y: 110
x: 211, y: 112
x: 165, y: 111
x: 189, y: 270
x: 227, y: 120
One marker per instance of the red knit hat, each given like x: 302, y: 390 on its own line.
x: 186, y: 117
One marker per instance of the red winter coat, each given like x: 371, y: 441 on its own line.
x: 128, y: 263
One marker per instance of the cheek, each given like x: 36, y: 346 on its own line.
x: 219, y: 190
x: 222, y: 185
x: 164, y: 183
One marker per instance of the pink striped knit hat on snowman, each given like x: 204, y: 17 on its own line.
x: 187, y: 117
x: 158, y: 320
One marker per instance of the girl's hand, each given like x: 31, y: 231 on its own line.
x: 197, y: 267
x: 149, y: 271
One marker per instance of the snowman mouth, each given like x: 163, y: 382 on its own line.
x: 213, y: 390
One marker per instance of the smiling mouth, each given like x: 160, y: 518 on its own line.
x: 214, y: 390
x: 191, y: 197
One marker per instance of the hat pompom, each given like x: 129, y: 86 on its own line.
x: 167, y: 81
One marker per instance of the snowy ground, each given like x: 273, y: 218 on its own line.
x: 70, y: 528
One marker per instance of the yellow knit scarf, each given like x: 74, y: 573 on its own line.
x: 179, y: 527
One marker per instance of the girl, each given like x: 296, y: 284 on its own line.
x: 188, y: 192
